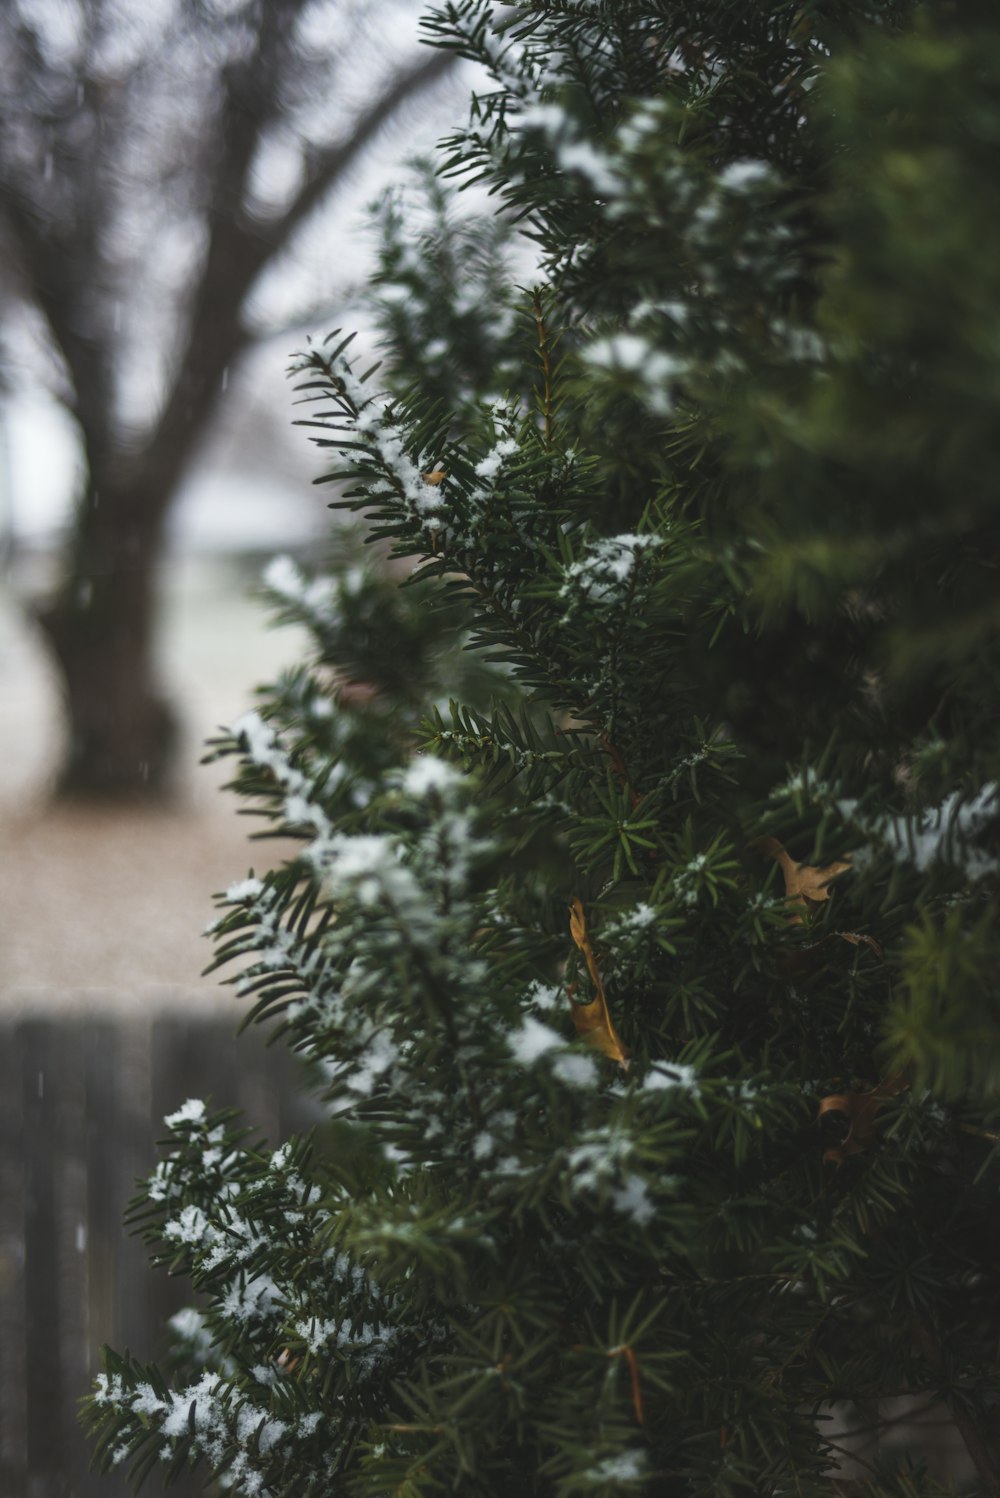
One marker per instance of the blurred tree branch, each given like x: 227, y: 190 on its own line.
x: 79, y: 135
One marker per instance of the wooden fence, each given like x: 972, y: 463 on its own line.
x: 81, y: 1103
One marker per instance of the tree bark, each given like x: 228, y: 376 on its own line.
x: 101, y: 628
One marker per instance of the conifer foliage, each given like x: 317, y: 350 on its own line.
x: 643, y: 939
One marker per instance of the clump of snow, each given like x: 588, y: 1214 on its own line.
x: 687, y: 883
x: 244, y: 889
x: 582, y: 157
x: 376, y: 421
x: 739, y: 175
x: 545, y: 996
x: 633, y: 1200
x: 370, y: 1343
x: 629, y: 922
x: 427, y: 774
x: 632, y: 352
x: 366, y: 865
x: 599, y: 1155
x: 490, y: 466
x: 146, y: 1401
x: 260, y: 738
x: 198, y: 1409
x: 161, y: 1184
x: 628, y: 1466
x: 576, y: 1070
x: 377, y: 1058
x: 190, y: 1326
x: 282, y: 575
x: 191, y: 1226
x: 192, y: 1112
x: 670, y: 1075
x: 604, y: 573
x: 655, y: 370
x: 946, y: 834
x: 253, y: 1299
x: 532, y: 1040
x: 265, y: 749
x: 802, y: 783
x: 572, y: 152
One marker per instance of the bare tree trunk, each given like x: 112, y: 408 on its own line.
x: 101, y: 625
x: 101, y: 628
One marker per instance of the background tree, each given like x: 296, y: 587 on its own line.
x: 153, y: 167
x: 654, y: 1003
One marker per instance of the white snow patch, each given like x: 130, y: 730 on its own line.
x: 489, y: 467
x: 193, y: 1111
x: 483, y: 1146
x: 282, y: 576
x: 629, y: 1466
x: 379, y: 1056
x: 192, y: 1226
x: 576, y: 1070
x: 244, y: 889
x: 532, y: 1040
x: 632, y: 1199
x: 944, y: 833
x: 654, y: 368
x: 739, y: 175
x: 639, y: 918
x: 254, y: 1300
x: 191, y: 1327
x: 545, y: 996
x: 603, y: 574
x: 428, y: 774
x: 664, y: 1075
x: 583, y: 157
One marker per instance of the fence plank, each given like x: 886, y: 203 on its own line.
x: 13, y: 1402
x: 81, y: 1102
x: 42, y: 1078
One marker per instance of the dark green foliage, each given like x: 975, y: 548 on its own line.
x: 442, y: 296
x: 719, y: 555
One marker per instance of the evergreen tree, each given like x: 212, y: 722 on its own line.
x: 650, y: 980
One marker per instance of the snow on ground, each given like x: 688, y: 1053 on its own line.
x: 104, y: 909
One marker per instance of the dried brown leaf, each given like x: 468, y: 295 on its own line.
x: 593, y: 1021
x: 804, y: 883
x: 802, y: 880
x: 861, y: 1109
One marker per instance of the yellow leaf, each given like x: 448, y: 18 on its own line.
x: 436, y: 476
x: 593, y: 1021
